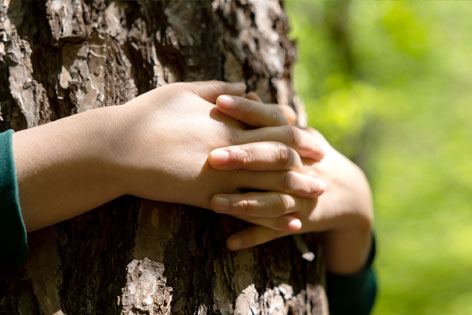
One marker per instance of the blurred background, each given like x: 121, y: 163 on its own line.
x: 389, y: 83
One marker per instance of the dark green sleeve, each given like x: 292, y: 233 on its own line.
x: 13, y: 239
x: 353, y: 294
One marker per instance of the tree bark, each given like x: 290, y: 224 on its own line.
x: 61, y: 57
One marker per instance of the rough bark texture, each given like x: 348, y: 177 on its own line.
x: 60, y: 57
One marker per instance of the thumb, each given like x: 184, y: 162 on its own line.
x: 210, y: 90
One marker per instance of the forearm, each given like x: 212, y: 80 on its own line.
x: 346, y: 250
x: 61, y: 167
x: 347, y: 241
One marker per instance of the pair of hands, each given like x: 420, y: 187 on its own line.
x: 156, y: 147
x: 167, y: 153
x: 205, y: 145
x: 211, y: 157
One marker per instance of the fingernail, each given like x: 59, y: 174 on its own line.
x: 234, y: 243
x: 322, y: 186
x: 239, y: 85
x: 226, y: 101
x: 315, y: 187
x: 221, y: 204
x: 316, y: 154
x: 295, y: 225
x: 319, y: 154
x: 219, y: 156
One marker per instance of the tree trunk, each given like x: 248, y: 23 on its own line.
x: 61, y: 57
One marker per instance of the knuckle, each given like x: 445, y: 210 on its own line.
x: 283, y: 155
x: 294, y: 136
x: 287, y: 181
x: 243, y: 207
x: 314, y: 188
x: 288, y: 113
x: 236, y: 156
x: 244, y: 104
x: 277, y: 117
x: 282, y: 204
x: 214, y: 84
x: 245, y: 155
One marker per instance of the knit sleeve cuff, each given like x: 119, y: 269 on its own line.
x: 13, y: 237
x: 353, y: 294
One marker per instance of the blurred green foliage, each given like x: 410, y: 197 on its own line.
x: 389, y: 83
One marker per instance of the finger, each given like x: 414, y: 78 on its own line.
x: 287, y: 111
x: 258, y: 156
x: 260, y: 204
x: 210, y: 90
x: 252, y: 236
x: 289, y: 114
x: 286, y: 223
x: 252, y: 113
x: 307, y: 144
x: 254, y: 97
x: 289, y: 182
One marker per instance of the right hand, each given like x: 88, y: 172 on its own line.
x: 165, y: 136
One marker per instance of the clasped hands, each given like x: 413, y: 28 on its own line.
x: 202, y: 144
x: 215, y: 143
x: 219, y: 145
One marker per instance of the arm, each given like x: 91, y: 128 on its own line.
x: 155, y: 147
x: 62, y: 169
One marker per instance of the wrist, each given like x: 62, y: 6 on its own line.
x: 103, y: 142
x: 127, y: 133
x: 346, y: 249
